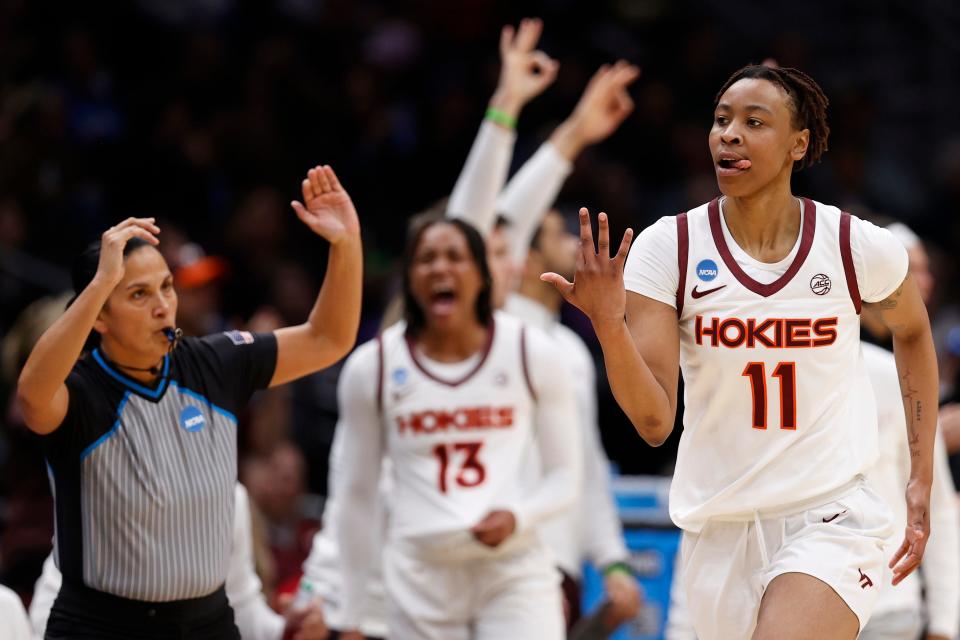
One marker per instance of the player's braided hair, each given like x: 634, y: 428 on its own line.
x: 807, y: 102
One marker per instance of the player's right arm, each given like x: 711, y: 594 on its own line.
x: 361, y: 437
x: 525, y: 73
x: 41, y: 389
x: 639, y: 336
x: 602, y: 108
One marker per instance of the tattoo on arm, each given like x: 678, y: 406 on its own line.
x: 913, y: 408
x: 891, y: 301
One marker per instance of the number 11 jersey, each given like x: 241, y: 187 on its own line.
x: 778, y: 409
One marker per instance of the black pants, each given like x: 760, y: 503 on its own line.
x: 81, y: 613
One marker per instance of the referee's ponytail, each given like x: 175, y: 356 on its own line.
x: 85, y: 268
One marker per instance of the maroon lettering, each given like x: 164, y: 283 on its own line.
x: 826, y: 331
x: 459, y: 419
x: 740, y: 330
x: 772, y: 333
x: 798, y: 332
x: 757, y: 333
x: 712, y: 331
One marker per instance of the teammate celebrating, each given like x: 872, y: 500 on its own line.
x: 455, y: 396
x: 756, y: 295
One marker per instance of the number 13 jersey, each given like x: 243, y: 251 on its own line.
x: 460, y: 441
x: 778, y: 409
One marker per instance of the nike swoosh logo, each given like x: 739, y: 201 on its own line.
x: 699, y: 294
x: 834, y: 517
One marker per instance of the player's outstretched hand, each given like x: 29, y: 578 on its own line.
x: 495, y: 527
x: 605, y: 103
x: 597, y: 288
x: 327, y: 208
x: 525, y: 71
x: 110, y: 269
x: 908, y: 556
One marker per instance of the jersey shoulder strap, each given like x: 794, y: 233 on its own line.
x: 846, y: 255
x: 683, y: 248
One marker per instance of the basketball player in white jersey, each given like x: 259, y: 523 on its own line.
x: 930, y: 598
x: 756, y: 296
x: 456, y: 396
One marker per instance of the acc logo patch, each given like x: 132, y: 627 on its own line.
x: 820, y: 284
x: 191, y: 418
x: 707, y: 270
x: 239, y: 337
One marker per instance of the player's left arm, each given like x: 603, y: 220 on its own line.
x: 331, y: 329
x: 556, y: 433
x: 905, y: 314
x: 253, y: 616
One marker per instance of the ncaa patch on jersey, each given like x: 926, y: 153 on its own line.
x: 239, y: 337
x: 399, y: 375
x: 707, y: 270
x: 191, y: 418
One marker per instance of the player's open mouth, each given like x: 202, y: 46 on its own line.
x: 729, y: 164
x: 443, y: 300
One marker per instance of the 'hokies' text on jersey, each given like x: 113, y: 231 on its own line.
x: 773, y: 333
x: 459, y: 419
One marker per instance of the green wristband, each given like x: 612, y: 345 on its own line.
x: 501, y: 117
x: 617, y: 567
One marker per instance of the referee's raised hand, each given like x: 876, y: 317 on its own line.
x: 327, y: 208
x: 110, y: 267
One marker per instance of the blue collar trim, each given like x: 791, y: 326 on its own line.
x: 136, y: 386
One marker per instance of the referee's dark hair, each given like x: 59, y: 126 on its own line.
x: 412, y: 312
x: 807, y: 101
x: 85, y: 268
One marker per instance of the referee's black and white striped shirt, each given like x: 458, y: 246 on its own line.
x: 143, y: 477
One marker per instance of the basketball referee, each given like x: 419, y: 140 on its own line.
x: 140, y: 432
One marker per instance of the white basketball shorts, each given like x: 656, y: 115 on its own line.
x: 728, y: 565
x: 513, y: 595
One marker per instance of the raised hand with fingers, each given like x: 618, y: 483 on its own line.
x: 327, y: 208
x: 525, y: 72
x: 602, y: 108
x: 597, y: 288
x: 110, y: 268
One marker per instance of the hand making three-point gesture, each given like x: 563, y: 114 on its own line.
x: 597, y: 288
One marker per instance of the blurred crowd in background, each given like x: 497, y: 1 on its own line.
x: 206, y: 113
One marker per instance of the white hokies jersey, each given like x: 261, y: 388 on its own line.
x: 457, y: 446
x: 779, y: 410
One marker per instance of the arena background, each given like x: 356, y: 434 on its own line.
x: 207, y: 113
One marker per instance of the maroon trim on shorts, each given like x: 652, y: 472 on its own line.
x: 847, y: 256
x: 411, y: 347
x: 523, y: 360
x: 683, y: 249
x: 807, y: 230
